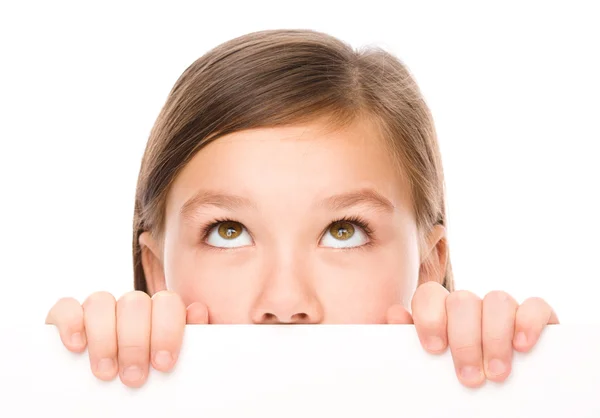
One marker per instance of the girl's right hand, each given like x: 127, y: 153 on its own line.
x: 123, y: 337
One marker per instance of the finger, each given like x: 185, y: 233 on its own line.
x: 429, y: 316
x: 134, y: 315
x: 532, y: 316
x: 168, y: 324
x: 498, y: 325
x: 397, y: 314
x: 67, y: 316
x: 99, y: 322
x: 464, y: 336
x: 197, y: 313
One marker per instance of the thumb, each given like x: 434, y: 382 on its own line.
x: 197, y: 313
x: 397, y: 314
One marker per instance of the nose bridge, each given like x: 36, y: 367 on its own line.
x: 287, y: 294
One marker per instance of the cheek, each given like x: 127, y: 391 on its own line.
x: 362, y: 291
x: 204, y: 277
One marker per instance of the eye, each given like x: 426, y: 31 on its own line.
x: 229, y: 234
x: 344, y: 234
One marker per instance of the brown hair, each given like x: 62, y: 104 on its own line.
x: 281, y: 77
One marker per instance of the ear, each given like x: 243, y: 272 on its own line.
x: 435, y: 256
x: 152, y: 263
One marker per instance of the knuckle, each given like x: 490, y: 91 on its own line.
x: 431, y: 286
x: 532, y: 311
x: 67, y: 302
x: 430, y: 324
x: 165, y: 294
x: 461, y: 297
x: 104, y: 346
x: 99, y: 298
x: 535, y: 301
x: 466, y: 351
x: 130, y: 352
x: 168, y: 302
x: 498, y: 296
x: 133, y: 304
x: 66, y: 311
x: 500, y: 300
x: 494, y: 339
x: 72, y: 324
x: 428, y: 290
x: 429, y: 296
x: 533, y: 315
x: 135, y: 295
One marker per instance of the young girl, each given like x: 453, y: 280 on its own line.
x: 290, y: 179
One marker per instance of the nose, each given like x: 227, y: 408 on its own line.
x: 287, y: 298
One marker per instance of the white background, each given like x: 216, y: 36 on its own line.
x: 514, y: 89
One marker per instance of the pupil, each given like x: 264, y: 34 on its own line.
x: 229, y: 230
x: 342, y: 230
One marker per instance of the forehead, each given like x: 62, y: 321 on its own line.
x: 302, y: 162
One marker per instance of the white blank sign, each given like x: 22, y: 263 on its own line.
x: 377, y: 371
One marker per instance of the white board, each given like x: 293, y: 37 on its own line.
x: 302, y: 371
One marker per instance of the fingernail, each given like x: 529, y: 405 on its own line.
x: 470, y: 373
x: 77, y: 339
x: 132, y: 373
x: 434, y: 344
x: 106, y: 366
x: 496, y: 367
x: 163, y: 359
x: 521, y: 339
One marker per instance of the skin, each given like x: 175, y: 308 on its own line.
x: 283, y: 263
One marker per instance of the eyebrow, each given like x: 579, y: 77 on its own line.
x: 365, y: 196
x: 212, y: 198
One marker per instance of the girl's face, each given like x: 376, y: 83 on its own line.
x: 289, y: 225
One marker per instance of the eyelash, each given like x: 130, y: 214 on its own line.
x: 356, y: 220
x: 209, y: 226
x: 360, y: 222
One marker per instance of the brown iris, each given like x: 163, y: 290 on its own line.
x: 342, y: 230
x: 230, y: 230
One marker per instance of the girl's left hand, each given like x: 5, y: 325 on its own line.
x: 481, y: 333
